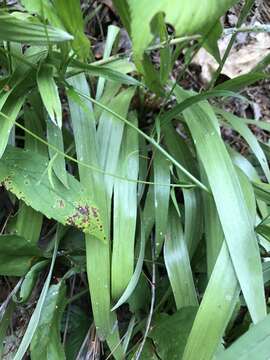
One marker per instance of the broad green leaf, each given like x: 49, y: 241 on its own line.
x: 254, y: 344
x: 24, y: 173
x: 27, y: 31
x: 232, y: 209
x: 187, y: 17
x: 174, y: 328
x: 49, y: 93
x: 17, y: 255
x: 177, y: 263
x: 46, y: 343
x: 125, y: 212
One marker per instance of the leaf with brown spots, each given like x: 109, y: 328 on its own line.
x: 24, y: 173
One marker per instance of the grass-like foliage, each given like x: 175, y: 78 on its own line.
x: 128, y: 233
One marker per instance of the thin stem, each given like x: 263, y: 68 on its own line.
x: 78, y: 162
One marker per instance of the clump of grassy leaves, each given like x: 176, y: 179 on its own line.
x: 126, y: 237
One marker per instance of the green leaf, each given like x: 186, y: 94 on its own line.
x: 46, y: 343
x: 215, y: 310
x: 110, y: 134
x: 112, y: 35
x: 162, y: 195
x: 176, y: 328
x: 123, y: 10
x: 250, y: 138
x: 24, y: 173
x: 137, y: 272
x: 233, y: 212
x: 192, y: 197
x: 49, y: 93
x: 79, y: 321
x: 97, y: 253
x: 187, y: 17
x: 55, y: 138
x: 17, y: 255
x: 104, y: 71
x: 241, y: 82
x: 34, y: 321
x: 254, y: 344
x: 30, y: 281
x: 125, y: 212
x: 5, y: 321
x: 9, y: 113
x: 177, y: 263
x: 70, y: 13
x: 27, y: 31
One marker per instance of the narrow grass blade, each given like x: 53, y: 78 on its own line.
x: 192, y: 198
x: 162, y: 195
x: 232, y: 209
x: 112, y: 34
x: 49, y: 93
x: 105, y: 72
x: 33, y: 323
x: 137, y: 272
x: 11, y: 109
x: 109, y: 135
x: 125, y: 212
x: 55, y: 137
x: 25, y: 31
x: 215, y: 310
x: 250, y: 138
x: 177, y: 263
